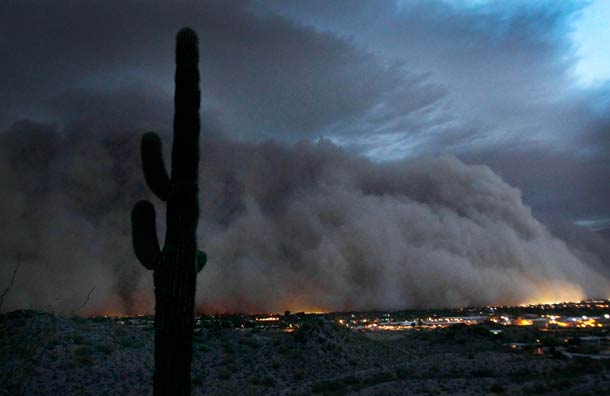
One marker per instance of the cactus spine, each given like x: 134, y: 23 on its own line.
x: 175, y: 267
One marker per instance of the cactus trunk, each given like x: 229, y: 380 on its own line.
x: 175, y: 267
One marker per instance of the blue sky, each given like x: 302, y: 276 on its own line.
x: 591, y: 37
x: 591, y: 30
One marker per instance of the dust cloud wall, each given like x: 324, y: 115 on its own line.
x: 300, y: 227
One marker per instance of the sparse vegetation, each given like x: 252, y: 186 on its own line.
x: 111, y: 357
x: 224, y: 372
x: 83, y: 356
x: 106, y: 349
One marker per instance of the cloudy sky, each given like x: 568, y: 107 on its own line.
x: 522, y: 87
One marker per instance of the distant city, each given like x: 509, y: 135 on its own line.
x: 567, y: 329
x: 572, y: 329
x: 546, y: 317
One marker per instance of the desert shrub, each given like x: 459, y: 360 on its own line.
x: 85, y: 325
x: 378, y: 378
x: 228, y: 348
x: 84, y: 360
x: 404, y: 373
x: 520, y: 373
x: 18, y: 357
x: 497, y: 388
x: 198, y: 379
x: 590, y: 349
x: 454, y: 373
x: 83, y: 356
x: 84, y: 350
x: 565, y: 383
x: 78, y: 339
x: 80, y: 320
x: 229, y: 359
x: 252, y: 391
x: 452, y: 331
x: 538, y: 388
x: 295, y: 354
x: 224, y: 372
x: 478, y: 330
x: 250, y: 342
x: 104, y: 348
x: 550, y: 341
x: 577, y: 368
x: 574, y: 341
x: 484, y: 372
x: 298, y: 375
x: 327, y: 386
x: 126, y: 343
x: 120, y: 331
x: 264, y: 380
x: 350, y: 379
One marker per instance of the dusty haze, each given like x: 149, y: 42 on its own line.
x: 303, y: 227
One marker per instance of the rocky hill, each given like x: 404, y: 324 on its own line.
x: 46, y: 354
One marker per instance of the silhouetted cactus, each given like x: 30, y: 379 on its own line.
x: 175, y: 267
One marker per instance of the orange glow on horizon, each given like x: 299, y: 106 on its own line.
x: 555, y: 292
x: 547, y: 292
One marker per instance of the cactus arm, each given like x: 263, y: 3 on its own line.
x: 200, y: 260
x: 153, y: 166
x: 144, y: 234
x: 185, y: 150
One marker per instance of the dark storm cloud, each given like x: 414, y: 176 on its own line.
x: 265, y: 76
x: 384, y: 79
x: 511, y: 99
x: 505, y: 66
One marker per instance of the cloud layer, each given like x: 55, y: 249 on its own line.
x: 385, y: 79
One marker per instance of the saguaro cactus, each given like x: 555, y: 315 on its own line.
x: 175, y: 267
